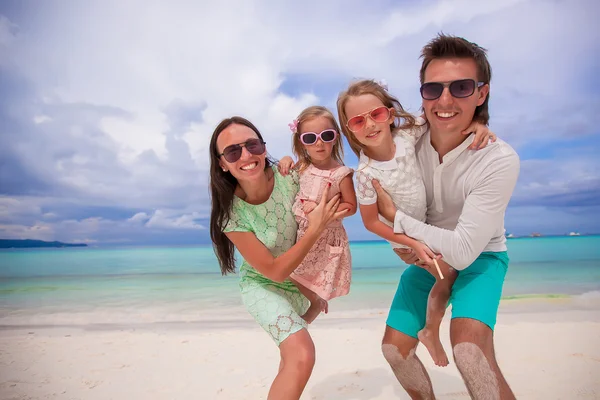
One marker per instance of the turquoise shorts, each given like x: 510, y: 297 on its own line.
x: 475, y: 294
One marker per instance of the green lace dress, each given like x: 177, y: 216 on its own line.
x: 277, y: 307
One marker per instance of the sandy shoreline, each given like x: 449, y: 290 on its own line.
x: 544, y: 355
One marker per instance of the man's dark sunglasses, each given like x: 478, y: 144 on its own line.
x: 460, y: 89
x: 233, y: 152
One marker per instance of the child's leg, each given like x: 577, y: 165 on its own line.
x: 436, y: 307
x: 317, y: 304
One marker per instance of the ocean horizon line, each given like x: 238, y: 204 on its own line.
x: 209, y: 244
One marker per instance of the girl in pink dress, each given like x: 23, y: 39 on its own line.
x: 325, y: 272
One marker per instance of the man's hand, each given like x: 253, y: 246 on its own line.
x: 445, y: 268
x: 424, y: 253
x: 407, y: 255
x: 384, y: 202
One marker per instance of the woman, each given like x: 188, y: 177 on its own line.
x: 252, y: 211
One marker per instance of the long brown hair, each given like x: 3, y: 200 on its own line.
x: 447, y: 46
x: 337, y: 153
x: 369, y: 86
x: 222, y: 188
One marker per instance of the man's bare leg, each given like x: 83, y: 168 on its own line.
x: 399, y: 351
x: 436, y: 307
x: 317, y: 303
x: 473, y: 349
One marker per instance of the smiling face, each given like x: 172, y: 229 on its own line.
x: 372, y: 135
x: 249, y: 166
x: 448, y: 114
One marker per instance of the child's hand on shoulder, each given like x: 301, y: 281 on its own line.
x: 285, y: 165
x: 483, y: 135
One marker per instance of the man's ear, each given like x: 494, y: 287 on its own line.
x: 483, y: 94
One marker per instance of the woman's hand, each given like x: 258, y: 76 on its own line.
x: 385, y: 204
x: 285, y: 165
x: 482, y: 135
x: 324, y: 212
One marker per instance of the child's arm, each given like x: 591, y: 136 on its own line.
x: 369, y: 214
x: 285, y: 165
x: 367, y: 197
x: 348, y: 200
x: 482, y: 135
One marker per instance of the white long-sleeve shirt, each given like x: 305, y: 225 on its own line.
x: 467, y: 195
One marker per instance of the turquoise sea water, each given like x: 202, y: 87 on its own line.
x: 151, y: 284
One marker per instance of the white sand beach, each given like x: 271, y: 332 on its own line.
x: 547, y: 350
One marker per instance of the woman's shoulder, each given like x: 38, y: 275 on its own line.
x: 287, y: 182
x: 291, y: 176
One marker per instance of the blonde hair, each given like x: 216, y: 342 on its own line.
x: 369, y: 86
x: 337, y: 153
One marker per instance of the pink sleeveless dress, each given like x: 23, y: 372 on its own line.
x: 326, y: 268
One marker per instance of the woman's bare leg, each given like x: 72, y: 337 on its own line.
x: 297, y: 362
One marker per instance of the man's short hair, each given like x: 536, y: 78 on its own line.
x: 447, y: 46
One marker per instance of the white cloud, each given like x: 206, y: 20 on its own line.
x: 13, y: 208
x: 139, y: 217
x: 37, y: 231
x: 173, y: 220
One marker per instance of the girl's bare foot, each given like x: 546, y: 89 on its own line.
x: 431, y: 340
x: 315, y: 309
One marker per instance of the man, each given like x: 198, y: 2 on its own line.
x: 467, y: 194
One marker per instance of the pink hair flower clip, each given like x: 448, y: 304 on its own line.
x: 294, y: 126
x: 382, y: 83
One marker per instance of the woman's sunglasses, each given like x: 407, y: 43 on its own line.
x: 327, y: 136
x: 233, y: 152
x: 460, y: 89
x: 379, y: 114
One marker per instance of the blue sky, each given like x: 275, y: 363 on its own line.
x: 106, y: 108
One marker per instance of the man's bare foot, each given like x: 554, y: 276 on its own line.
x: 315, y: 309
x: 431, y: 340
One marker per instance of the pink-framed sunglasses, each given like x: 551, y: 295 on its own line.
x: 310, y: 138
x: 379, y: 114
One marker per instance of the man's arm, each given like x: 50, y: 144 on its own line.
x: 482, y: 213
